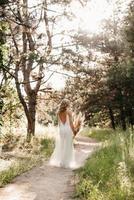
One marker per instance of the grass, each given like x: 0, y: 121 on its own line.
x: 37, y: 152
x: 47, y: 146
x: 109, y: 173
x: 18, y: 168
x: 98, y: 134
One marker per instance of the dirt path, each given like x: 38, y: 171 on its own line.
x: 48, y: 183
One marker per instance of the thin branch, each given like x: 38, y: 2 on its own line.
x: 49, y: 43
x: 13, y: 38
x: 19, y: 92
x: 62, y: 73
x: 47, y: 79
x: 37, y: 87
x: 19, y: 23
x: 2, y: 80
x: 62, y: 46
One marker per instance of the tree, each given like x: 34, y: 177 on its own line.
x: 31, y: 50
x: 105, y: 89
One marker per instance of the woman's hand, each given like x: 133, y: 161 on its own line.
x: 75, y: 132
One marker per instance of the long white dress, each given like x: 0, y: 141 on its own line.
x: 63, y: 155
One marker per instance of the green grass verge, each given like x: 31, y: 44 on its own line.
x: 109, y: 173
x: 22, y: 165
x: 98, y: 134
x: 18, y: 168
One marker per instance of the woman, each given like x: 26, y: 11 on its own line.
x: 63, y: 155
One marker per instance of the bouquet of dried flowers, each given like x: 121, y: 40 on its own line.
x: 78, y: 123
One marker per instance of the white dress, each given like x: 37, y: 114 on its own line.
x: 63, y: 155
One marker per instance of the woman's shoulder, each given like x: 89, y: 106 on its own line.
x: 69, y: 112
x: 57, y: 113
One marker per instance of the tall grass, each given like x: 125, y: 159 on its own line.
x: 109, y: 173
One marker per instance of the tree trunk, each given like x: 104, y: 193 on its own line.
x: 30, y: 127
x: 111, y: 117
x: 31, y: 115
x: 131, y: 119
x: 122, y: 111
x: 122, y: 116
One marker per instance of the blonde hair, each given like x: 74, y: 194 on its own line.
x: 64, y: 105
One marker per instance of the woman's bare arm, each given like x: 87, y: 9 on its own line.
x: 71, y: 122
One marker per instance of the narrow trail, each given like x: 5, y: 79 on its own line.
x: 46, y: 182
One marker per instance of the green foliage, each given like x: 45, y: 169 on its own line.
x: 109, y: 173
x: 34, y: 56
x: 105, y: 92
x: 12, y: 110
